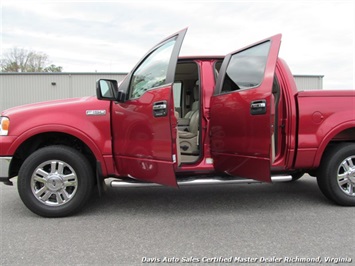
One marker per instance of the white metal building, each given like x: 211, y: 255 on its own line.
x: 309, y: 82
x: 23, y: 88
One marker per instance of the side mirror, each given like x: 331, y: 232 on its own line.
x: 107, y: 89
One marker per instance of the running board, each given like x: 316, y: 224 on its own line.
x: 118, y: 183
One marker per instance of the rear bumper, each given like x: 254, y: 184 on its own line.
x: 4, y: 169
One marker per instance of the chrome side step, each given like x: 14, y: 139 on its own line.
x: 118, y: 183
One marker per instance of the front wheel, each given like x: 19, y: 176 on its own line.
x: 55, y: 181
x: 336, y: 175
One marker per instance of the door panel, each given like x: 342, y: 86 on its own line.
x: 144, y: 126
x: 241, y: 111
x: 143, y: 137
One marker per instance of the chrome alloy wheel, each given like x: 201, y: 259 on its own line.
x: 54, y: 183
x: 346, y: 176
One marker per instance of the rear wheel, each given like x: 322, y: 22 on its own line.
x: 336, y: 175
x: 55, y: 181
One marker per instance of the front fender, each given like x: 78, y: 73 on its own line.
x: 98, y: 145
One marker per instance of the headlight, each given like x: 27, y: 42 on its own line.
x: 5, y: 124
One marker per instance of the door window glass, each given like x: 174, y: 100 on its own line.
x: 246, y: 68
x: 153, y: 70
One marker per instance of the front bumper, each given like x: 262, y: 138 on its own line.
x: 4, y: 170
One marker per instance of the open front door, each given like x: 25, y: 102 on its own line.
x: 241, y: 111
x: 144, y: 125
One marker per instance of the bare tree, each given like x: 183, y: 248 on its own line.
x: 22, y: 60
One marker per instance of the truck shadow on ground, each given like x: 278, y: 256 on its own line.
x: 211, y: 199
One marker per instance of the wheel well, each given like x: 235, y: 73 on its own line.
x: 347, y: 135
x: 47, y: 139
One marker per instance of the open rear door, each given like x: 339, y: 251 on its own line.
x: 241, y: 111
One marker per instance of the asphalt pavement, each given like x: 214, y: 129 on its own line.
x: 255, y: 224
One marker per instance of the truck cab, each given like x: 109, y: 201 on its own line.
x: 181, y: 117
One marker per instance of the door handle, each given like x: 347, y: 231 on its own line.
x: 160, y: 109
x: 258, y: 107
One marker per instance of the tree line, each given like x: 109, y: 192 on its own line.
x: 22, y: 60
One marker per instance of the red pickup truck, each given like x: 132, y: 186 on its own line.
x: 182, y: 121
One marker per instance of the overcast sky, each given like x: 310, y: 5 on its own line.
x: 87, y: 36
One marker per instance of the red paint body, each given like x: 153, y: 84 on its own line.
x: 128, y: 141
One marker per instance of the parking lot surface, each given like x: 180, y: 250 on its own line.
x: 270, y: 224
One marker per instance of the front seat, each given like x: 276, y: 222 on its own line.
x: 184, y: 122
x: 189, y: 139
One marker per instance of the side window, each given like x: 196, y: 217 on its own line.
x: 246, y: 68
x: 153, y: 70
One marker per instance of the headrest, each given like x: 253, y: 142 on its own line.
x: 197, y: 91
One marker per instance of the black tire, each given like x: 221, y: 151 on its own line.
x: 55, y: 181
x: 335, y: 160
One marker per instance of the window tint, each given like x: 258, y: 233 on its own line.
x: 153, y: 70
x: 246, y: 68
